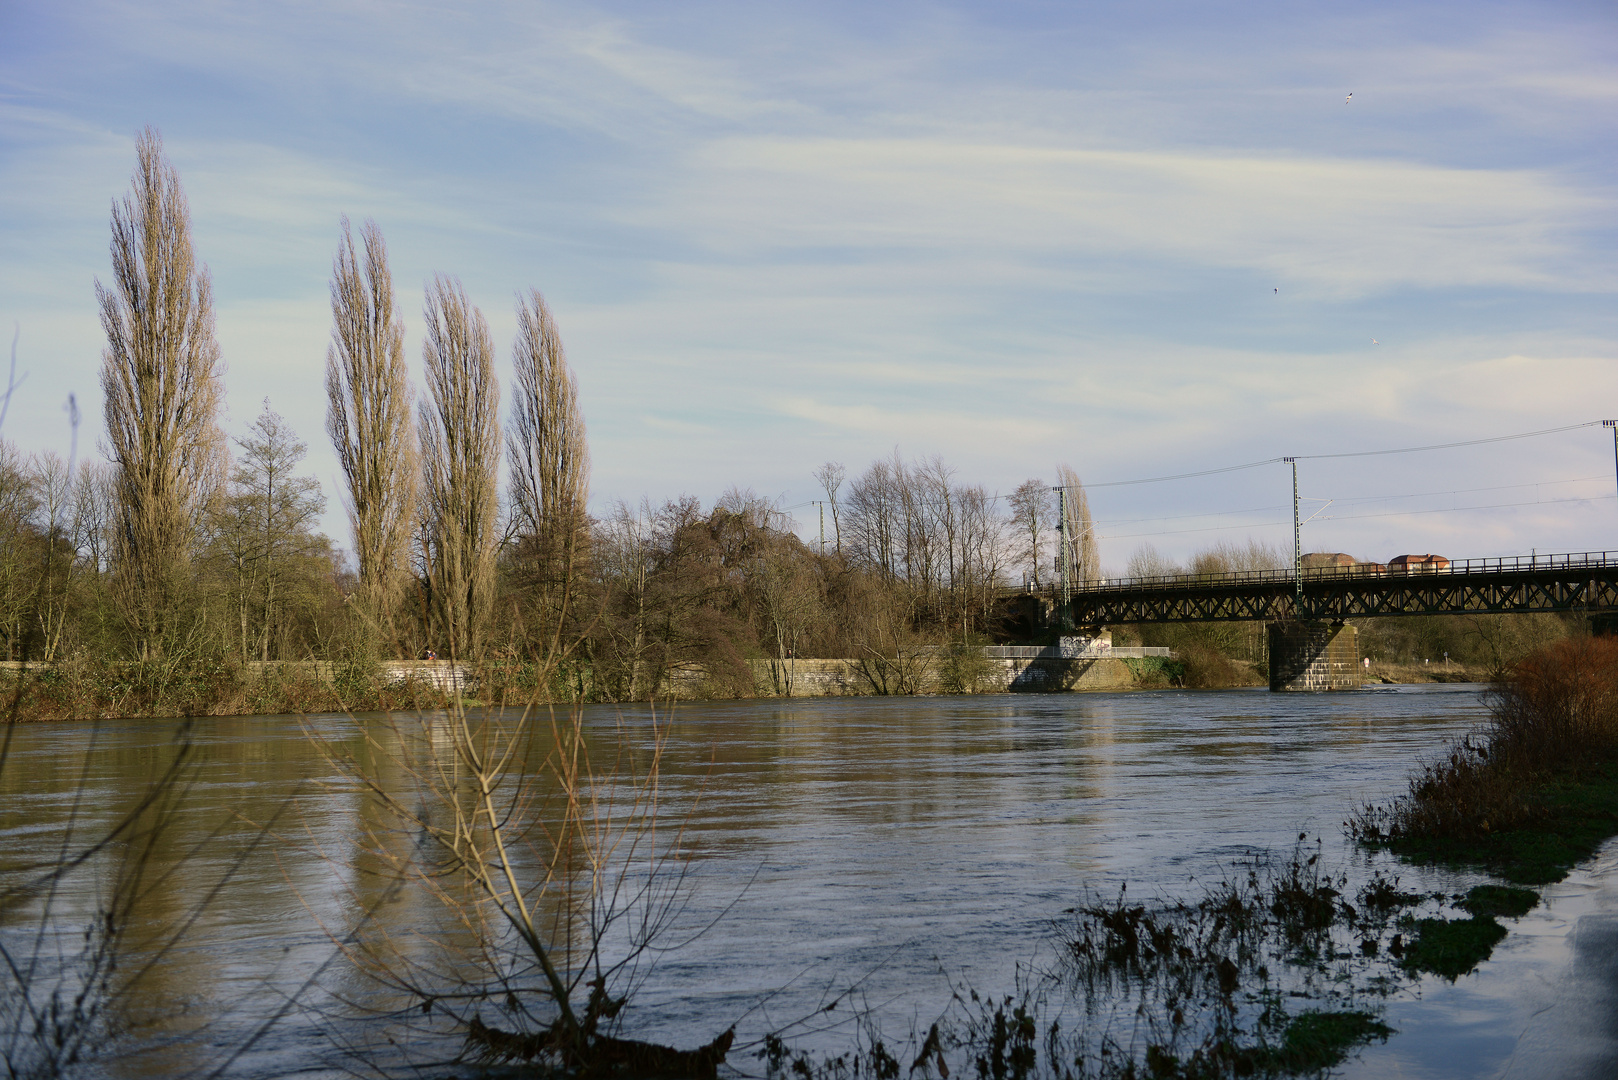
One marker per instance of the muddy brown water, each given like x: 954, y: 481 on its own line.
x: 901, y: 847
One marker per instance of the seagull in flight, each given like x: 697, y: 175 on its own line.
x: 1349, y: 98
x: 1374, y: 341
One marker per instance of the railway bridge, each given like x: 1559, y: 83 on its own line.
x: 1311, y: 646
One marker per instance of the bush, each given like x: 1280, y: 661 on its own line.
x: 1554, y: 718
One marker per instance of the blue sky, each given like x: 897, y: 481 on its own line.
x: 1143, y: 239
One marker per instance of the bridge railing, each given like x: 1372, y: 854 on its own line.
x: 1509, y: 564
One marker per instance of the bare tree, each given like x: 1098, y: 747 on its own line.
x: 264, y: 533
x: 94, y: 511
x: 368, y: 418
x: 1077, y: 528
x: 627, y: 545
x: 19, y: 573
x: 876, y: 513
x: 160, y: 376
x: 550, y: 461
x: 460, y: 445
x: 53, y: 486
x: 1147, y: 561
x: 831, y: 477
x: 1032, y: 516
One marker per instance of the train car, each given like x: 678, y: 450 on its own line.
x: 1417, y: 564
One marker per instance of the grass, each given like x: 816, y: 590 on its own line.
x: 1531, y: 794
x: 1494, y: 901
x: 1315, y: 1041
x: 1526, y: 798
x: 1452, y: 947
x: 1569, y: 819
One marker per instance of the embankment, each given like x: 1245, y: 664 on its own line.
x: 843, y: 678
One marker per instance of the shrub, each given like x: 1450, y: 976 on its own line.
x: 1554, y: 717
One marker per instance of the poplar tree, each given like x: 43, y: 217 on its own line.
x: 1078, y: 529
x: 460, y: 447
x: 550, y: 464
x: 368, y: 419
x: 160, y: 376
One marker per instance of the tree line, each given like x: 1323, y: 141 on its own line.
x: 182, y: 545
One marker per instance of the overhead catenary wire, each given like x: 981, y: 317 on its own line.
x: 1361, y: 517
x: 1347, y: 454
x: 1116, y: 522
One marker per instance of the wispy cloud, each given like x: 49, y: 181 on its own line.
x: 774, y: 237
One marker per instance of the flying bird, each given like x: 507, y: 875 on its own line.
x: 1278, y: 292
x: 1349, y: 98
x: 1374, y: 341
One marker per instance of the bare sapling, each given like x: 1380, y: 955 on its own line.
x: 539, y: 844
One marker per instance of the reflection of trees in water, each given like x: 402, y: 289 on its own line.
x: 536, y: 882
x: 105, y: 922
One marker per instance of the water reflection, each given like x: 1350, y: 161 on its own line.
x: 909, y: 843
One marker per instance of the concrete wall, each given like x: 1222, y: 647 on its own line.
x: 1307, y: 656
x: 838, y: 678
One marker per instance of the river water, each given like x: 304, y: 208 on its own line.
x: 900, y: 847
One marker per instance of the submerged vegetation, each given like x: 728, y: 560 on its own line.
x: 1280, y: 969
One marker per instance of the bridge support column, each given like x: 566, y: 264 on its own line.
x: 1314, y: 656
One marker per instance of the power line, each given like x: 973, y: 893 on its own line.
x: 1452, y: 445
x: 1458, y: 509
x: 1470, y: 491
x: 1358, y: 517
x: 1355, y: 453
x: 1351, y: 499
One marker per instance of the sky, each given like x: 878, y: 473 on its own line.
x: 1144, y: 239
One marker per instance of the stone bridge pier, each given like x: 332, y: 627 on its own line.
x: 1314, y: 656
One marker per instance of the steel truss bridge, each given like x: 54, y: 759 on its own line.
x: 1587, y: 581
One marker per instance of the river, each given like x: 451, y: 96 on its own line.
x: 898, y: 847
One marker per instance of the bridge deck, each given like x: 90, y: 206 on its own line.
x: 1585, y: 581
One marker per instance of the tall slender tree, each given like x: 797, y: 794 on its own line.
x: 550, y: 465
x: 368, y: 419
x: 460, y: 446
x: 1078, y: 529
x: 160, y: 376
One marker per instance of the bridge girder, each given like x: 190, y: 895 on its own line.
x: 1581, y: 588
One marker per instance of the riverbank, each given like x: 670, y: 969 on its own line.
x: 1435, y: 672
x: 1525, y: 799
x: 88, y: 690
x: 85, y: 690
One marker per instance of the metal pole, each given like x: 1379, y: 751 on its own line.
x: 1297, y: 545
x: 1614, y: 425
x: 1065, y: 617
x: 822, y: 530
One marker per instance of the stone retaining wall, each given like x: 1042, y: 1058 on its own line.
x: 840, y: 678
